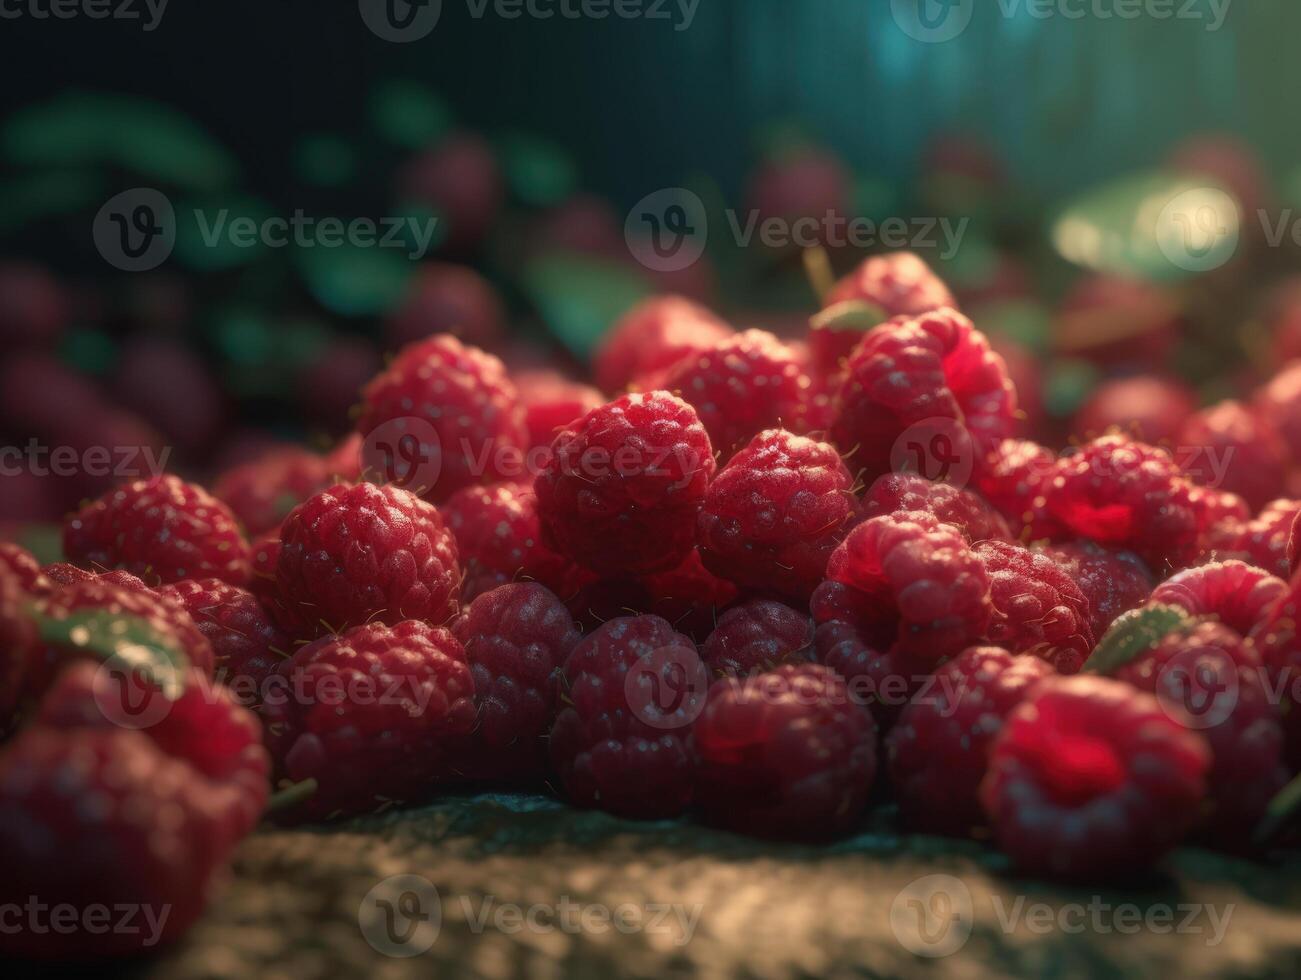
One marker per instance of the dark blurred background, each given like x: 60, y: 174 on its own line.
x: 1055, y: 143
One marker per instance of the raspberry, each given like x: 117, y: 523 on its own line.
x: 625, y: 482
x: 966, y: 511
x: 1113, y: 582
x: 114, y: 849
x: 914, y: 582
x: 1016, y: 477
x: 1234, y: 450
x: 689, y: 596
x: 163, y: 530
x: 1145, y: 408
x: 757, y: 635
x: 163, y: 615
x: 652, y: 337
x: 469, y: 401
x: 1117, y: 321
x: 499, y: 538
x: 343, y: 463
x: 939, y: 749
x: 1277, y: 639
x: 1294, y: 542
x: 459, y: 180
x: 1209, y: 677
x: 22, y: 564
x: 1262, y: 541
x: 1038, y: 608
x: 784, y: 754
x: 740, y: 386
x: 353, y: 554
x: 248, y: 646
x: 262, y: 492
x: 913, y: 370
x: 1130, y: 495
x: 606, y: 753
x: 883, y: 681
x: 61, y: 574
x: 775, y: 514
x: 1238, y: 594
x: 551, y: 401
x: 516, y: 640
x: 264, y: 555
x: 899, y: 284
x: 204, y: 727
x: 370, y: 715
x: 17, y: 645
x: 1279, y: 405
x: 447, y: 298
x: 1090, y: 778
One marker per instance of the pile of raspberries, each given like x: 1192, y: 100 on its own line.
x: 761, y: 583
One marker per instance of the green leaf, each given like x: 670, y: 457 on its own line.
x: 851, y: 316
x: 48, y: 194
x: 408, y: 113
x: 539, y: 172
x: 107, y: 636
x: 579, y: 297
x: 355, y: 281
x: 324, y: 160
x: 207, y: 234
x: 1282, y: 809
x: 1132, y: 633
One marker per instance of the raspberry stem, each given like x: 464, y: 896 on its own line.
x: 291, y: 795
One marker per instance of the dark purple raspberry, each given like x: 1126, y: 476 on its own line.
x: 757, y: 635
x: 1112, y: 581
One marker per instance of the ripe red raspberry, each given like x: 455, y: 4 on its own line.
x: 1119, y: 321
x: 916, y: 583
x: 1038, y: 608
x: 353, y: 554
x: 1090, y: 778
x: 967, y: 511
x: 1210, y: 679
x: 775, y: 513
x: 162, y: 529
x: 22, y: 564
x: 1016, y: 477
x: 262, y: 492
x: 264, y: 554
x: 884, y: 681
x: 606, y: 751
x: 1130, y: 495
x: 114, y: 849
x: 757, y: 635
x: 784, y: 754
x: 1112, y: 581
x: 370, y: 715
x: 939, y: 749
x: 1278, y: 640
x: 459, y: 180
x: 689, y: 596
x: 343, y: 463
x: 165, y: 617
x: 499, y: 539
x: 652, y: 337
x: 1145, y: 408
x: 1262, y: 541
x: 469, y: 401
x: 1237, y: 594
x: 740, y: 386
x: 205, y: 727
x: 625, y: 482
x: 913, y: 370
x: 516, y: 640
x: 551, y: 401
x: 1279, y: 405
x: 1294, y: 542
x: 899, y: 284
x: 248, y: 646
x: 448, y: 298
x: 61, y: 574
x: 17, y: 646
x: 1231, y: 448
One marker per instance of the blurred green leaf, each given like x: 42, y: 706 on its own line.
x: 324, y: 160
x: 353, y: 281
x: 212, y: 232
x: 148, y: 138
x: 408, y: 113
x: 539, y: 171
x: 580, y: 296
x: 1068, y: 383
x: 89, y: 351
x: 1131, y: 634
x: 42, y: 195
